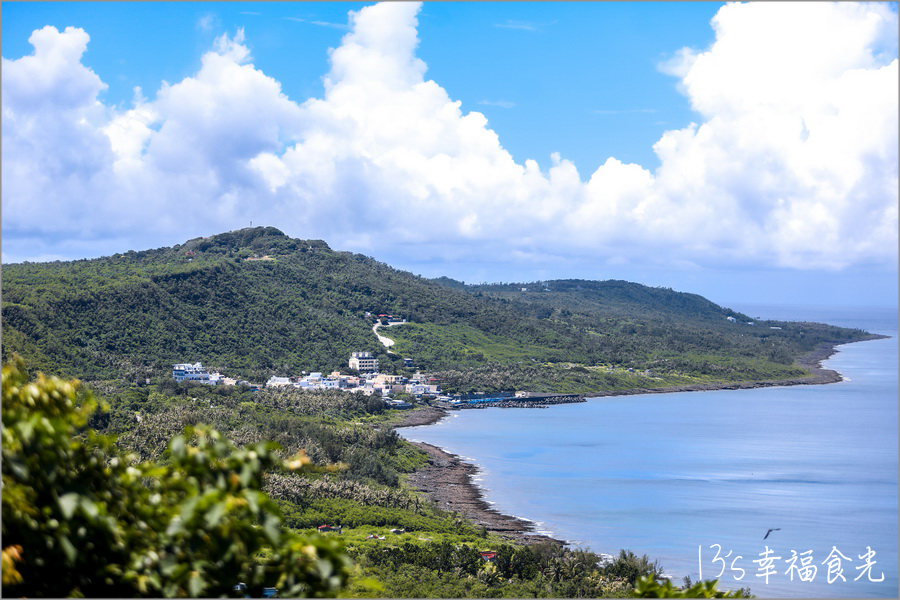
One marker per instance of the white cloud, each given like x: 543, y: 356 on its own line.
x: 797, y: 156
x: 207, y: 22
x: 522, y: 25
x: 54, y: 150
x: 53, y: 76
x: 500, y: 103
x: 794, y: 162
x: 319, y: 23
x: 342, y: 26
x: 624, y: 111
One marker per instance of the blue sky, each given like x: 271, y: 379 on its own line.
x: 655, y: 142
x: 599, y: 93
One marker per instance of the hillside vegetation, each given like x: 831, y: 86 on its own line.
x: 254, y: 303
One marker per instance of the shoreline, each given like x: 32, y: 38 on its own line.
x: 448, y: 481
x: 811, y: 361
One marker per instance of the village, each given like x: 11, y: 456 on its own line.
x: 368, y: 382
x: 371, y: 382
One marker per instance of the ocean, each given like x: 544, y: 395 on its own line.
x: 696, y: 479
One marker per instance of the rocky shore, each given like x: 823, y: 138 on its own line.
x: 422, y: 416
x: 448, y: 481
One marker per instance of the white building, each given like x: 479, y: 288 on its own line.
x: 417, y: 388
x: 196, y: 373
x: 363, y: 361
x: 278, y: 381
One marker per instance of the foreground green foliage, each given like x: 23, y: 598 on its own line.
x: 81, y: 518
x: 648, y: 587
x: 458, y: 570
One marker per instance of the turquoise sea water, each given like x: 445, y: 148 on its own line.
x: 674, y: 475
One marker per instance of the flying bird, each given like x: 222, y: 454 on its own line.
x: 770, y: 531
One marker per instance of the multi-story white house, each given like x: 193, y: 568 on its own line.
x: 196, y: 373
x: 363, y: 361
x: 278, y: 381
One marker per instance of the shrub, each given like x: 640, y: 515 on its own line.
x: 79, y: 518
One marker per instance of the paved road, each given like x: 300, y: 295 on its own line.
x: 388, y: 342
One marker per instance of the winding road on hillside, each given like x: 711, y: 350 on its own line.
x: 388, y: 342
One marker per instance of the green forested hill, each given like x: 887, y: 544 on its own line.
x: 254, y: 302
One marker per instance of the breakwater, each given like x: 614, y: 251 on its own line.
x: 529, y: 401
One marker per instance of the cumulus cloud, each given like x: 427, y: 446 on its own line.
x: 797, y: 154
x: 793, y: 163
x: 54, y: 150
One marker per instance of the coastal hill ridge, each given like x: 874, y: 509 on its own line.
x: 255, y: 303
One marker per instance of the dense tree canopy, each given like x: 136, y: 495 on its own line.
x: 82, y: 518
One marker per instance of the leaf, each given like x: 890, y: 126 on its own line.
x: 26, y: 430
x: 18, y: 467
x: 68, y: 548
x: 253, y: 499
x: 195, y: 584
x: 187, y: 514
x: 167, y: 566
x: 89, y: 507
x: 155, y: 471
x: 271, y: 527
x: 177, y: 445
x: 11, y: 555
x: 214, y: 514
x: 67, y: 504
x: 247, y: 472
